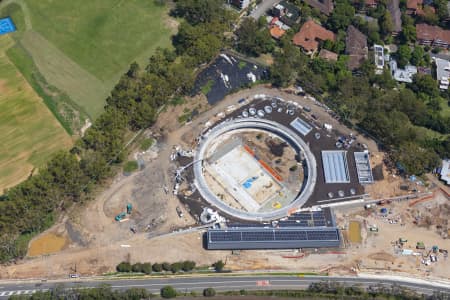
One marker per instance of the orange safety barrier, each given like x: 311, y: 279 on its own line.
x: 426, y: 198
x: 264, y: 165
x: 270, y: 170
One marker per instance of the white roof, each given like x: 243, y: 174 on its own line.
x: 442, y: 68
x: 402, y: 75
x: 445, y: 171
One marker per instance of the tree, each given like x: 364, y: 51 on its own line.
x: 166, y: 266
x: 137, y: 267
x: 408, y: 33
x: 403, y: 55
x: 417, y: 56
x: 124, y: 267
x: 218, y: 266
x: 168, y: 292
x: 147, y: 268
x: 199, y: 11
x: 252, y: 39
x: 209, y: 292
x: 157, y: 267
x: 386, y: 25
x: 342, y: 16
x: 175, y: 267
x: 188, y: 266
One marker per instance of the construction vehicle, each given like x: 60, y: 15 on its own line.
x: 129, y: 208
x: 120, y: 216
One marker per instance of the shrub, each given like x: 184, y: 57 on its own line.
x: 168, y: 292
x: 137, y: 267
x: 209, y: 292
x: 218, y: 266
x: 175, y: 267
x: 130, y: 166
x: 146, y: 144
x: 188, y: 265
x: 124, y: 267
x: 157, y: 267
x: 166, y: 266
x: 147, y: 268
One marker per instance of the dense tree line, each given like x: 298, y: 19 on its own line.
x: 133, y: 104
x: 372, y: 102
x: 148, y: 268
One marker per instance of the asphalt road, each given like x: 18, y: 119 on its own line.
x: 263, y: 7
x: 220, y: 283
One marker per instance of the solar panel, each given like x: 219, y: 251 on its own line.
x: 290, y: 235
x: 322, y: 235
x: 222, y: 236
x: 258, y: 236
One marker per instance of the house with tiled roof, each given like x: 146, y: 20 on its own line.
x: 355, y: 47
x: 324, y: 6
x: 310, y: 35
x: 417, y: 7
x: 328, y: 55
x: 433, y: 36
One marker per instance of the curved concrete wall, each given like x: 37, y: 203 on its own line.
x: 262, y: 124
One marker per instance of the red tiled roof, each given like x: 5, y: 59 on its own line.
x: 414, y: 4
x: 277, y: 32
x: 310, y: 34
x: 429, y: 32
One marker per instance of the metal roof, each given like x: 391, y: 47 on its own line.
x: 271, y: 238
x: 301, y: 126
x: 363, y: 167
x: 335, y: 166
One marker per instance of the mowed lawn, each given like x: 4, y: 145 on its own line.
x: 29, y: 133
x: 82, y: 47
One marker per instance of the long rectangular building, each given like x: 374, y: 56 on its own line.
x: 248, y: 238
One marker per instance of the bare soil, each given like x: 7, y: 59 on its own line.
x: 97, y: 243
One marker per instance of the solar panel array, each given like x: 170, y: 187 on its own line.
x: 363, y: 167
x: 301, y: 126
x: 306, y: 219
x: 273, y: 234
x: 335, y: 166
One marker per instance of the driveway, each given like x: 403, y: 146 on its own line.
x: 262, y: 8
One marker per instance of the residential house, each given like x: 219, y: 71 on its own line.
x: 396, y: 15
x: 416, y: 7
x: 324, y: 6
x: 378, y: 52
x: 402, y: 75
x: 241, y: 4
x: 433, y: 36
x: 328, y: 55
x: 286, y: 12
x: 310, y: 35
x: 276, y: 32
x: 355, y: 47
x: 442, y: 72
x: 445, y: 171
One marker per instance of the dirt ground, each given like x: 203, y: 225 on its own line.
x: 97, y: 243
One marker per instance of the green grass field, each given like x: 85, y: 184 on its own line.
x: 80, y: 48
x: 29, y: 133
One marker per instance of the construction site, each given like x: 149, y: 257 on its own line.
x: 372, y: 222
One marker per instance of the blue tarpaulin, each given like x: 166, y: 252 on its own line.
x: 6, y: 26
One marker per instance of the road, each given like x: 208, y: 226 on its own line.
x: 263, y: 7
x: 221, y: 283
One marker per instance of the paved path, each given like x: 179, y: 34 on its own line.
x: 224, y: 283
x: 263, y: 7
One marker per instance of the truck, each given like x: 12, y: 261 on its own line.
x: 179, y: 212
